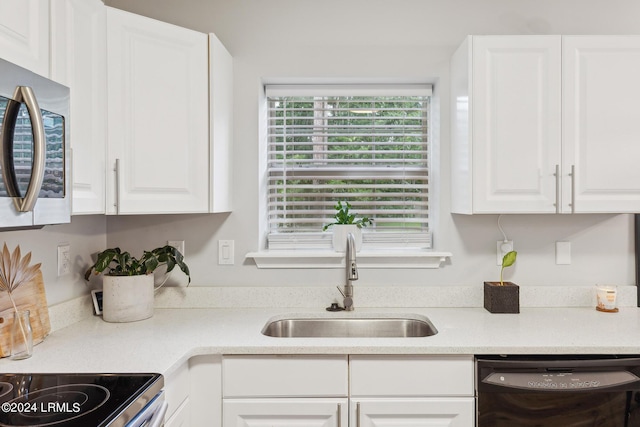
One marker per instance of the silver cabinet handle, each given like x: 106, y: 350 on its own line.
x: 339, y: 415
x: 557, y: 175
x: 24, y: 94
x: 117, y: 201
x: 358, y: 414
x: 573, y: 188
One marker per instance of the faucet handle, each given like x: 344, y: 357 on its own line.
x: 341, y: 292
x: 353, y: 275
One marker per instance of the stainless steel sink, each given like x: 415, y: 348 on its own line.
x: 352, y: 326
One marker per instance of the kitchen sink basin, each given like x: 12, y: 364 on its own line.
x: 350, y: 326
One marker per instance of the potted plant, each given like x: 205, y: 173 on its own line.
x: 344, y: 223
x: 128, y: 284
x: 503, y: 297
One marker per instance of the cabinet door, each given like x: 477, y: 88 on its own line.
x: 24, y: 34
x: 78, y: 36
x: 441, y: 412
x: 515, y: 102
x: 600, y: 123
x: 285, y: 412
x: 158, y: 130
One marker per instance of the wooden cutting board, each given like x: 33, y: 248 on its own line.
x: 28, y: 296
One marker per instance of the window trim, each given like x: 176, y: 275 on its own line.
x: 265, y: 258
x: 372, y: 259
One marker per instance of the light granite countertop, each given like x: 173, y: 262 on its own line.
x: 168, y: 339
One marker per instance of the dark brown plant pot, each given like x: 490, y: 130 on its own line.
x: 502, y: 299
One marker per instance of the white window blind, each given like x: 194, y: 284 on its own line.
x: 367, y: 145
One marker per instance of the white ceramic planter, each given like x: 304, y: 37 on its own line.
x: 127, y: 298
x: 340, y: 232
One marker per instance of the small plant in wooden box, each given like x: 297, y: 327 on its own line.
x: 503, y: 297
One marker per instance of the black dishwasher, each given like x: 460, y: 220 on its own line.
x: 562, y: 391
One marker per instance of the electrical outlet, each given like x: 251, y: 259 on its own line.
x: 225, y: 252
x: 64, y: 259
x: 563, y: 253
x: 502, y: 248
x: 178, y: 244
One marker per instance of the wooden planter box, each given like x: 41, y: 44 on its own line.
x: 502, y: 299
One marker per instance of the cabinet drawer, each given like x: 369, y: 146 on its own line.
x: 411, y: 375
x: 282, y: 376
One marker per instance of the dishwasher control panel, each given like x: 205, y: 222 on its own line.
x: 560, y: 381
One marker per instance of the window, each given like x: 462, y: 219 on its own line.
x: 366, y: 145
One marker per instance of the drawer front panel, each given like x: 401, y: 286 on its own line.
x: 284, y: 376
x: 411, y: 375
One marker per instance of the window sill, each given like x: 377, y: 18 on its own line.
x: 366, y: 259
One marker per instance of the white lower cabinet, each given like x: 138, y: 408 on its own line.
x: 355, y: 391
x: 306, y: 412
x: 293, y: 391
x: 205, y: 391
x: 180, y: 418
x: 193, y: 393
x: 176, y: 394
x: 397, y: 412
x: 396, y: 391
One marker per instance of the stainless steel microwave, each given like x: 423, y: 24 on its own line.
x: 35, y: 186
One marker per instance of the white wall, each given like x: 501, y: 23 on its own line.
x: 85, y: 234
x: 403, y: 40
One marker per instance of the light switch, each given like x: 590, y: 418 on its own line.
x: 563, y: 253
x: 225, y: 252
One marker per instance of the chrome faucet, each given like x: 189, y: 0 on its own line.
x: 352, y: 272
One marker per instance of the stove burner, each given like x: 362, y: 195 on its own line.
x: 53, y: 405
x: 5, y: 388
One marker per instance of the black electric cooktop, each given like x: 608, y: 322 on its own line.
x: 70, y: 400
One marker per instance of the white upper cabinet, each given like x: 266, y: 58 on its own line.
x: 601, y: 123
x: 24, y: 34
x: 545, y: 124
x: 159, y: 140
x: 221, y: 122
x: 506, y: 124
x: 158, y: 117
x: 78, y: 47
